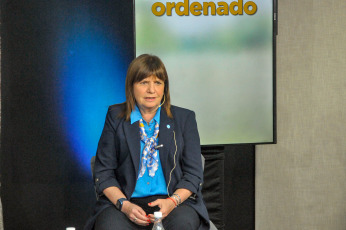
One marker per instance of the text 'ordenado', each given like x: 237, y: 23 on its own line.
x: 221, y: 8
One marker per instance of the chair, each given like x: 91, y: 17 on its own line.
x: 92, y: 164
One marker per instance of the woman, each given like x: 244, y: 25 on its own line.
x: 148, y: 158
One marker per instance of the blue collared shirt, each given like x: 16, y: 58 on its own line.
x: 147, y: 185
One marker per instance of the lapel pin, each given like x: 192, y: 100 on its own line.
x: 168, y: 126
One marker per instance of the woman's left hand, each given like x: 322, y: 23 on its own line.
x: 165, y: 205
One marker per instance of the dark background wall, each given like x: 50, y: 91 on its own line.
x: 45, y: 184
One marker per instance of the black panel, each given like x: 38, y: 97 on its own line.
x: 42, y: 185
x: 213, y: 187
x: 229, y: 186
x: 240, y: 187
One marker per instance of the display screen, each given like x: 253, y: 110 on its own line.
x: 220, y: 64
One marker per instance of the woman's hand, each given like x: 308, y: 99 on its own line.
x: 165, y: 205
x: 135, y: 213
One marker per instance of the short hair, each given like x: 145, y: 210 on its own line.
x: 144, y: 66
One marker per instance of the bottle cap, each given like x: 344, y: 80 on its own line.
x: 70, y: 228
x: 158, y: 214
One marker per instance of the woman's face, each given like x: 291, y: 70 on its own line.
x: 148, y: 93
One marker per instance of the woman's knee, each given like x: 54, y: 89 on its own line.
x: 183, y: 217
x: 110, y: 219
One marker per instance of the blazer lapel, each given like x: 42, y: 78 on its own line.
x: 133, y: 140
x: 165, y: 138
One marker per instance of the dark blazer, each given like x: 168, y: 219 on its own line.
x: 118, y: 157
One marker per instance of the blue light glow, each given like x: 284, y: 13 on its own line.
x: 93, y: 77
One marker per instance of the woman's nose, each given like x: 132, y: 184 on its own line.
x: 151, y: 88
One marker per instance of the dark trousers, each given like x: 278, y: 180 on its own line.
x: 181, y: 218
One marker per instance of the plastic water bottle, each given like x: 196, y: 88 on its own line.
x: 158, y: 221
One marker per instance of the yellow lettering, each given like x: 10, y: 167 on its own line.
x: 170, y: 6
x: 196, y: 8
x: 211, y: 5
x: 162, y: 9
x: 222, y: 9
x: 185, y: 6
x: 253, y: 9
x: 239, y: 5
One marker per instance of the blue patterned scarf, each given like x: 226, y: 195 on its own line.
x: 150, y: 157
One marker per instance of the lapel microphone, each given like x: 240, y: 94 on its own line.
x: 159, y: 146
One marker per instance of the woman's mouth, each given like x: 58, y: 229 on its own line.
x: 150, y: 98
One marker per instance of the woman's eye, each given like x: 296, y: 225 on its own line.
x: 158, y: 83
x: 143, y: 82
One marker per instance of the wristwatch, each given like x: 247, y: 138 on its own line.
x: 119, y: 203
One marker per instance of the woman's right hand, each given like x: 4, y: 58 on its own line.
x: 135, y: 213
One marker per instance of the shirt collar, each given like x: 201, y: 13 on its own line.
x: 136, y: 115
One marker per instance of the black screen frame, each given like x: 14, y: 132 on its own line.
x: 274, y: 34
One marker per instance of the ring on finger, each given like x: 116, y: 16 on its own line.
x: 135, y: 219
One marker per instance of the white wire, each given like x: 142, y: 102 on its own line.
x: 170, y: 174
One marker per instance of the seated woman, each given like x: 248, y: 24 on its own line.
x: 148, y: 158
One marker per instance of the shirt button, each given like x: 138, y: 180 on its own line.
x: 148, y: 183
x: 149, y: 129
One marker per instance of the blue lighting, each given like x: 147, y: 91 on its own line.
x: 93, y: 77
